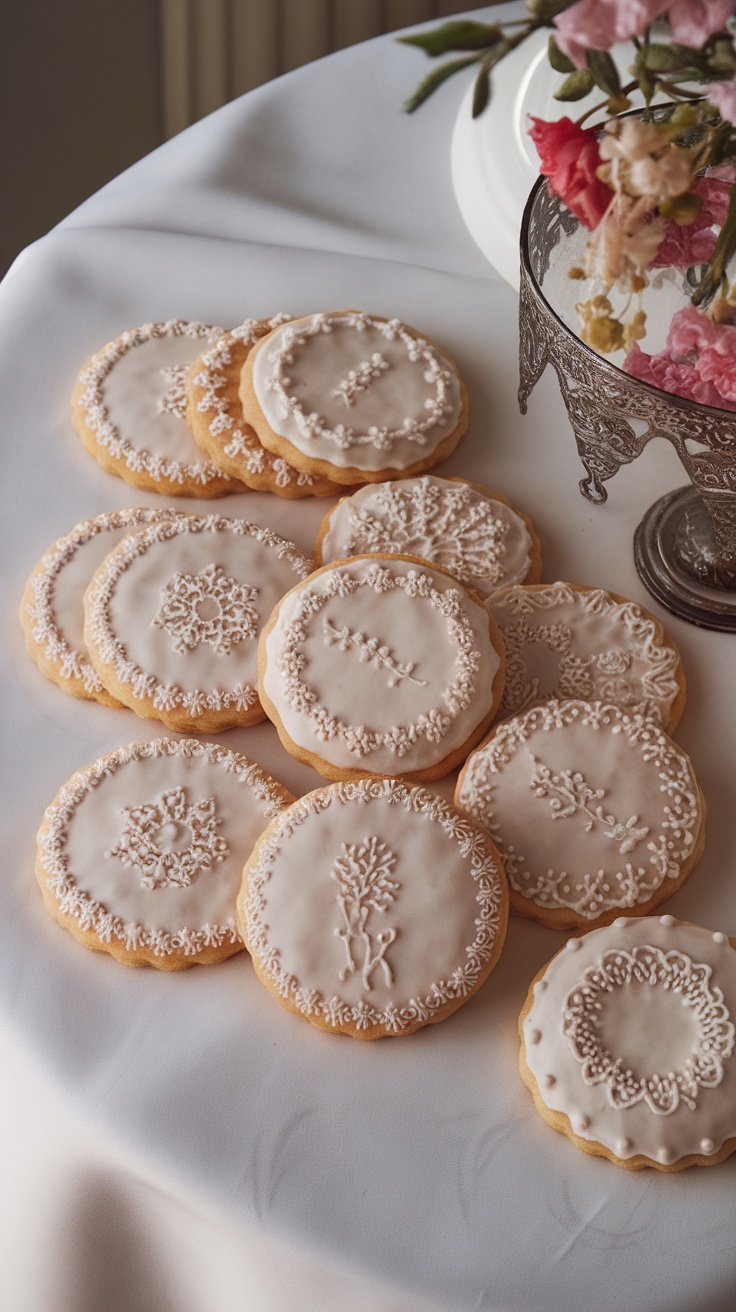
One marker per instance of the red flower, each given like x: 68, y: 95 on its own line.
x: 569, y: 156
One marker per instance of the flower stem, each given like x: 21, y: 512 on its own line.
x: 725, y: 248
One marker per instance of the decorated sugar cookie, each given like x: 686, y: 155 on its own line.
x: 354, y: 398
x: 141, y: 853
x: 594, y: 811
x: 380, y: 665
x: 372, y: 908
x: 51, y: 611
x: 215, y: 416
x: 627, y: 1043
x: 564, y: 640
x: 471, y: 532
x: 129, y: 410
x: 173, y: 616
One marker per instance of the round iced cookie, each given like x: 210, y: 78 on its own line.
x: 141, y: 854
x: 470, y: 531
x: 215, y: 416
x: 380, y: 665
x: 173, y: 615
x: 129, y: 410
x: 373, y: 908
x: 594, y: 811
x: 565, y: 640
x: 51, y: 612
x: 354, y: 398
x: 627, y: 1043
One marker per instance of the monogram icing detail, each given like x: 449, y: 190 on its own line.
x: 594, y: 881
x: 98, y: 418
x: 207, y: 607
x: 359, y: 380
x: 282, y: 354
x: 676, y: 972
x: 363, y: 874
x: 578, y: 626
x: 174, y: 400
x: 150, y: 829
x: 431, y: 724
x: 370, y: 652
x: 448, y: 523
x: 93, y: 915
x: 569, y: 793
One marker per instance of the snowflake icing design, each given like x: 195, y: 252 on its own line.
x: 207, y: 607
x: 150, y: 831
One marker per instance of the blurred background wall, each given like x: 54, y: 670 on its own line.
x: 89, y: 86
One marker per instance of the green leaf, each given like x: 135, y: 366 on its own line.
x: 643, y: 77
x: 577, y: 85
x: 542, y: 11
x: 605, y: 73
x: 481, y: 91
x: 663, y: 59
x: 560, y: 63
x: 461, y: 35
x: 435, y: 79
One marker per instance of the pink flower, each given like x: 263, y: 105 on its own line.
x: 692, y: 332
x: 694, y: 243
x: 680, y: 378
x: 698, y: 362
x: 600, y: 24
x: 569, y: 158
x: 692, y: 22
x: 719, y: 369
x: 723, y: 96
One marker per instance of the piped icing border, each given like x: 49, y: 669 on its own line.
x: 659, y: 683
x: 110, y: 649
x: 98, y: 419
x: 281, y: 356
x: 239, y: 440
x: 337, y: 581
x: 42, y: 583
x: 667, y: 853
x: 334, y: 1011
x: 92, y: 915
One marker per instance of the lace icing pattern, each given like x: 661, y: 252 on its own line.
x: 92, y: 915
x: 431, y: 725
x: 142, y: 846
x: 676, y: 972
x: 335, y: 1011
x: 97, y: 415
x: 183, y: 610
x: 112, y: 650
x: 363, y: 874
x: 669, y: 843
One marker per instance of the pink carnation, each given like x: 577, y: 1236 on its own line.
x: 693, y: 22
x: 600, y: 24
x: 569, y: 158
x: 698, y: 362
x: 720, y: 370
x: 723, y: 96
x: 692, y: 332
x: 679, y: 378
x: 694, y: 243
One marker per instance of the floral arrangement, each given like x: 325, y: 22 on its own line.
x: 656, y: 190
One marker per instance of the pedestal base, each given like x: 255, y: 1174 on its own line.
x: 675, y: 555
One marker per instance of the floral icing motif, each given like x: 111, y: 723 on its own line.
x: 449, y: 524
x: 207, y: 607
x: 149, y: 830
x: 174, y: 400
x: 359, y: 380
x: 97, y: 415
x: 363, y: 874
x: 381, y: 437
x: 568, y: 793
x: 677, y: 973
x: 371, y: 652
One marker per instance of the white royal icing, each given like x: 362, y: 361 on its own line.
x: 54, y: 609
x: 579, y: 642
x: 373, y: 904
x: 134, y: 400
x: 590, y: 807
x: 380, y: 665
x: 147, y: 845
x: 176, y: 611
x: 355, y: 390
x: 483, y: 542
x: 225, y: 419
x: 632, y: 1037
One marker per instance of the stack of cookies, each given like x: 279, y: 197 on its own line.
x: 420, y: 640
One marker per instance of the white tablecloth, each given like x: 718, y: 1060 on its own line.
x: 180, y: 1141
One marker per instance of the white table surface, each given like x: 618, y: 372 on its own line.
x: 179, y: 1141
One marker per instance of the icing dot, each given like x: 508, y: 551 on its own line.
x: 535, y: 1036
x: 623, y: 1146
x: 550, y: 1081
x: 573, y: 944
x: 707, y: 1145
x: 664, y: 1155
x: 667, y: 921
x: 540, y: 986
x: 621, y: 922
x: 584, y: 1122
x: 718, y: 937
